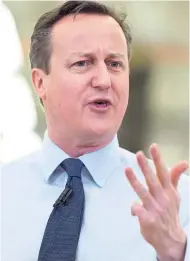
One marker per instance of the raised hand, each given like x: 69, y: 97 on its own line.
x: 159, y: 212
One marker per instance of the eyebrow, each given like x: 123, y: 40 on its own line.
x: 111, y: 55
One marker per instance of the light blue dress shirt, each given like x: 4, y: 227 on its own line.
x: 30, y: 186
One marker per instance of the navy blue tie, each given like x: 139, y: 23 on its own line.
x: 63, y: 228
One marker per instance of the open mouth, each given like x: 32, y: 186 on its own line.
x: 101, y: 103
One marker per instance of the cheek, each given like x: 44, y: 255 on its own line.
x: 123, y: 99
x: 60, y: 89
x: 69, y: 95
x: 123, y: 93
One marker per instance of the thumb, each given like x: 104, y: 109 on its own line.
x: 138, y: 210
x: 177, y: 171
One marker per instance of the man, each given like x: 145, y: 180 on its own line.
x: 74, y: 200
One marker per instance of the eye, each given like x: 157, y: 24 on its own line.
x: 81, y: 63
x: 115, y: 64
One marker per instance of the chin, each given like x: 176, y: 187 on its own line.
x: 101, y: 132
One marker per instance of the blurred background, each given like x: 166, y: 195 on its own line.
x: 158, y: 109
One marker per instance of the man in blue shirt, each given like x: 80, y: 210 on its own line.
x: 80, y: 70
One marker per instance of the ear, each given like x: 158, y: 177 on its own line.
x: 38, y: 79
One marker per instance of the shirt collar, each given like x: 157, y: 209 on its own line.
x: 100, y: 163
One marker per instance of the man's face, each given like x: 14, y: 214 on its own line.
x: 86, y: 91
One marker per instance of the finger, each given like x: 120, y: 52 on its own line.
x: 177, y: 171
x: 138, y: 210
x: 161, y: 169
x: 144, y: 195
x: 151, y: 179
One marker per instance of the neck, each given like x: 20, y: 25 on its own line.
x: 76, y: 148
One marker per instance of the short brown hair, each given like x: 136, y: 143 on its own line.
x: 40, y: 48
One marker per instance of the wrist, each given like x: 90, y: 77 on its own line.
x: 175, y: 252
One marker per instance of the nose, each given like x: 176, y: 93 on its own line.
x: 101, y: 78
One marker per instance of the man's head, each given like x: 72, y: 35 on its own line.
x: 79, y: 57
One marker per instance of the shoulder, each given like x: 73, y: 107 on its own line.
x: 27, y: 164
x: 128, y: 159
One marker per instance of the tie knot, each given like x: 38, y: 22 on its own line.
x: 73, y: 167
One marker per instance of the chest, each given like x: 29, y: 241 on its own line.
x: 109, y: 232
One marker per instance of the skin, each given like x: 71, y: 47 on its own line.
x: 89, y: 60
x: 158, y: 214
x: 85, y: 64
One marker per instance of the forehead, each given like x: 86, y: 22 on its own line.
x: 88, y: 31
